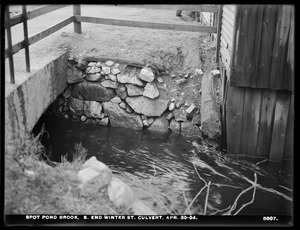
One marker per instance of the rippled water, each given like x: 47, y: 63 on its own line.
x: 168, y: 171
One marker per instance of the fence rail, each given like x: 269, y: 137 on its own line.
x: 149, y: 25
x: 77, y: 19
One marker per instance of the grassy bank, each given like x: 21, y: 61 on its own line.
x: 36, y: 185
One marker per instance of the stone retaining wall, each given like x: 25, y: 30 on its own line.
x: 121, y: 95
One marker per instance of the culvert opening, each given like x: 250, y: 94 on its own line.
x: 109, y: 110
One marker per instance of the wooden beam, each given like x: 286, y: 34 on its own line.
x: 15, y: 20
x: 77, y: 25
x: 33, y: 39
x: 219, y: 26
x: 102, y: 58
x: 43, y: 10
x: 9, y: 44
x: 34, y: 13
x: 150, y: 25
x: 192, y: 7
x: 280, y: 125
x: 25, y: 29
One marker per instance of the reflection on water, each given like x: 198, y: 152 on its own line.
x: 168, y: 171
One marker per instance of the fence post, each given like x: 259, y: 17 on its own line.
x: 77, y: 25
x: 24, y: 13
x: 219, y: 24
x: 9, y: 44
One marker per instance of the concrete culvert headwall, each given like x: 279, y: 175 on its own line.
x: 26, y: 102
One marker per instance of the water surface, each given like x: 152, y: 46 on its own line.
x: 167, y: 171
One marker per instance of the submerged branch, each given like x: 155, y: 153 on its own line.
x: 194, y: 199
x: 206, y: 198
x: 253, y: 196
x: 244, y: 191
x: 261, y: 161
x: 186, y: 202
x: 222, y: 210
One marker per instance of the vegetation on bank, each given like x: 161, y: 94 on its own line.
x: 36, y: 185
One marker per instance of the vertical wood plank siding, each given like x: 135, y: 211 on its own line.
x: 227, y: 35
x: 259, y: 101
x: 265, y: 50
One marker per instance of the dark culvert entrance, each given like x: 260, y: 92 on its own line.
x: 128, y: 117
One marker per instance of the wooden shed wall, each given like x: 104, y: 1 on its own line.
x: 259, y: 121
x: 227, y: 35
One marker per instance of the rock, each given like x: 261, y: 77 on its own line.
x: 120, y: 193
x: 98, y: 64
x: 88, y: 69
x: 146, y: 106
x: 93, y: 91
x: 95, y: 164
x: 92, y: 109
x: 160, y: 124
x: 196, y: 119
x: 92, y: 64
x: 123, y: 78
x: 109, y: 84
x: 86, y: 174
x: 134, y: 90
x: 145, y: 123
x: 198, y: 72
x: 160, y: 80
x: 76, y: 105
x: 172, y: 106
x: 179, y: 104
x: 143, y: 117
x: 151, y: 91
x: 109, y: 63
x: 116, y: 100
x: 146, y: 74
x: 170, y: 116
x: 95, y: 185
x: 175, y: 126
x: 115, y: 71
x: 180, y: 81
x: 74, y: 76
x: 186, y: 75
x: 122, y: 105
x: 129, y: 110
x: 119, y: 118
x: 121, y: 92
x: 104, y: 121
x: 180, y: 115
x: 106, y: 69
x: 67, y: 93
x: 188, y: 129
x: 150, y: 120
x: 139, y: 208
x: 83, y: 118
x: 93, y: 77
x: 191, y: 111
x: 111, y: 77
x: 93, y: 176
x: 173, y: 75
x: 215, y: 72
x: 92, y: 70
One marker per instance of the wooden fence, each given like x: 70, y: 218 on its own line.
x: 77, y: 19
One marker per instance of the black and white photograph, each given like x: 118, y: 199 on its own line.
x: 148, y: 115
